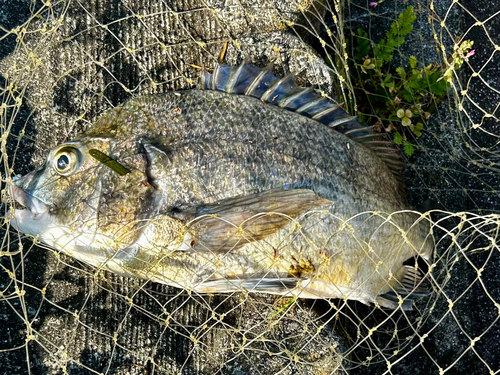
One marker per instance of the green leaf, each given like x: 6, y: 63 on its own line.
x: 406, y: 121
x: 404, y: 24
x: 436, y: 86
x: 398, y: 139
x: 383, y: 52
x: 401, y: 73
x: 413, y: 62
x: 395, y: 36
x: 284, y: 307
x: 363, y: 47
x: 408, y: 148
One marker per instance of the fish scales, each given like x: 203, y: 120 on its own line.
x: 223, y: 192
x: 220, y: 139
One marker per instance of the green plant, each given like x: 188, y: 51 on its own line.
x: 285, y: 306
x: 400, y: 100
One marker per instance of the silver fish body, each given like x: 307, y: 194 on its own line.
x: 226, y: 191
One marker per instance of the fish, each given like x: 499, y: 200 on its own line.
x: 248, y: 182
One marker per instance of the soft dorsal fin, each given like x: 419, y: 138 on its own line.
x: 250, y: 80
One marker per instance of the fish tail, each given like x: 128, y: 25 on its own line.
x: 411, y: 285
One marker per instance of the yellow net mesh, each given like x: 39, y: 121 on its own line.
x: 64, y: 63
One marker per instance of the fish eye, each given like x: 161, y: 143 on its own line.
x: 66, y: 161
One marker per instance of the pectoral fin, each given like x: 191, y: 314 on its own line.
x: 233, y: 222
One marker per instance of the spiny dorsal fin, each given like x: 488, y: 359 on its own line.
x: 250, y: 80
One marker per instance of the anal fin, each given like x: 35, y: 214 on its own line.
x: 262, y: 285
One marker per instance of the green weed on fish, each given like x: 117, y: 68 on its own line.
x: 109, y: 162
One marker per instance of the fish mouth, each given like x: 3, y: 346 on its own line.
x: 33, y: 208
x: 34, y: 218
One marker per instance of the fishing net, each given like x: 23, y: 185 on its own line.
x: 64, y: 63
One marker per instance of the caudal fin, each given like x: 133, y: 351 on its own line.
x: 411, y: 285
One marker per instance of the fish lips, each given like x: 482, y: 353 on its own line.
x: 27, y: 220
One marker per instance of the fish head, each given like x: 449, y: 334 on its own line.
x: 78, y: 204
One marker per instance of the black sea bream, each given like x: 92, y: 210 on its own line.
x: 247, y: 183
